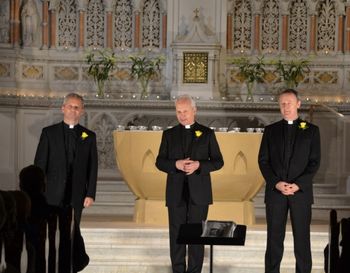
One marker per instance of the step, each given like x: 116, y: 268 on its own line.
x: 110, y: 197
x: 110, y: 208
x: 117, y: 250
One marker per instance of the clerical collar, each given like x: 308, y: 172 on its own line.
x: 188, y: 126
x: 290, y: 122
x: 70, y: 126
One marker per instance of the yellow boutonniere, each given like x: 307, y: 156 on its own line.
x: 198, y: 133
x: 303, y: 125
x: 84, y: 135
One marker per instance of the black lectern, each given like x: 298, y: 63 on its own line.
x: 191, y: 234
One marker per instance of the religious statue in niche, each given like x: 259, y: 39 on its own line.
x: 30, y: 22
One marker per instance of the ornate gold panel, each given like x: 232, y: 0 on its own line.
x: 195, y: 67
x: 326, y: 77
x: 66, y: 73
x: 4, y: 70
x: 33, y: 72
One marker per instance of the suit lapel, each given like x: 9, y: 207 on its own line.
x: 279, y: 140
x: 195, y: 140
x: 60, y: 140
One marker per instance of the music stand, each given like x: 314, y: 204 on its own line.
x: 191, y: 234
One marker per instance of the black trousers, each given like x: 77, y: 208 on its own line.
x: 276, y: 216
x: 68, y: 261
x: 188, y: 213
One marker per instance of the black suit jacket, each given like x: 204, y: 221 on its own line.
x: 205, y: 149
x: 304, y: 162
x: 51, y: 158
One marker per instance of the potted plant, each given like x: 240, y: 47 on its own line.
x: 144, y: 69
x: 292, y: 72
x: 251, y: 72
x: 101, y: 63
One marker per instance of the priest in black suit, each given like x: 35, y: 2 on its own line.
x: 67, y: 154
x: 188, y: 153
x: 289, y: 157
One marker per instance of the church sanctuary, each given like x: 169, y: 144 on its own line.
x: 130, y: 60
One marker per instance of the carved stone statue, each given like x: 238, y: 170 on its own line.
x: 29, y: 16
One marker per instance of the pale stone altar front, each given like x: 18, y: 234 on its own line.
x: 234, y: 186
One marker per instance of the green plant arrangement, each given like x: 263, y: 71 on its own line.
x: 101, y: 63
x: 144, y: 69
x: 251, y: 72
x: 292, y: 72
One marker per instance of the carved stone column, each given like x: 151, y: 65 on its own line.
x: 347, y: 30
x: 15, y: 22
x: 45, y: 25
x: 53, y: 24
x: 340, y: 12
x: 256, y: 12
x: 137, y: 30
x: 109, y: 23
x: 164, y: 30
x: 82, y: 12
x: 12, y: 16
x: 284, y: 6
x: 313, y: 26
x: 229, y: 32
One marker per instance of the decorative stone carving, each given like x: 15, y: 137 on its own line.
x: 326, y: 26
x: 151, y: 24
x: 242, y: 24
x: 67, y: 23
x: 5, y: 70
x: 123, y: 24
x: 66, y: 73
x: 104, y: 125
x: 30, y: 22
x: 4, y: 22
x: 298, y: 26
x: 33, y: 72
x: 95, y: 24
x: 270, y: 26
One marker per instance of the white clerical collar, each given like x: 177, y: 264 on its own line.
x: 71, y: 126
x: 188, y: 126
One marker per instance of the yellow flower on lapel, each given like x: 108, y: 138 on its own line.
x: 198, y: 133
x: 303, y: 125
x: 84, y: 135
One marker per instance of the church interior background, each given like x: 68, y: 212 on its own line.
x: 43, y: 48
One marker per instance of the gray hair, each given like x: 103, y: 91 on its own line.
x: 187, y: 98
x: 73, y: 96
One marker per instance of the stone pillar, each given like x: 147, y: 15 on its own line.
x: 313, y: 33
x: 109, y: 23
x: 52, y: 23
x: 164, y: 30
x: 229, y: 31
x: 81, y: 29
x: 284, y: 7
x: 340, y: 47
x: 313, y: 26
x: 256, y: 41
x: 340, y: 11
x: 137, y: 35
x: 15, y: 22
x: 347, y: 30
x: 45, y: 25
x: 256, y: 13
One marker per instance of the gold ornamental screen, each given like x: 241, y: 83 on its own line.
x: 195, y: 68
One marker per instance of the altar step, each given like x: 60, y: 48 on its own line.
x: 146, y: 250
x: 326, y: 198
x: 114, y: 198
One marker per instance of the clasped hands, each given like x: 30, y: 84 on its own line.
x: 187, y: 165
x: 287, y: 188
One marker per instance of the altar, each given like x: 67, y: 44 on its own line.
x: 234, y: 186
